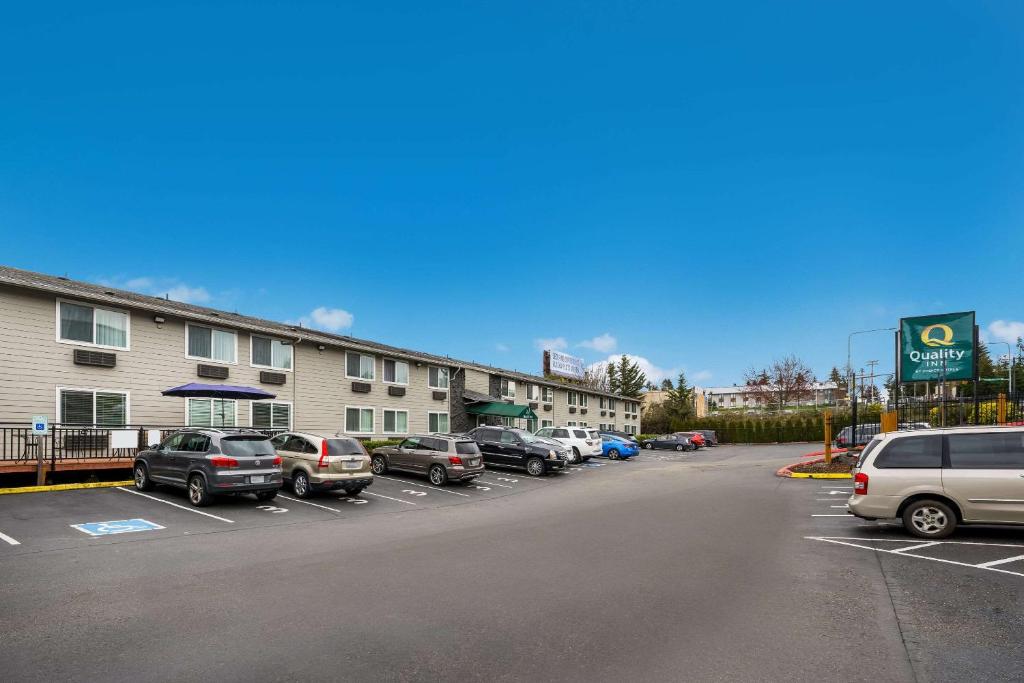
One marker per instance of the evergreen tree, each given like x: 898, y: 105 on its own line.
x: 680, y: 399
x: 613, y: 377
x: 631, y: 378
x: 666, y: 384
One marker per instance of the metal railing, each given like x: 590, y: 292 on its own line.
x: 999, y: 409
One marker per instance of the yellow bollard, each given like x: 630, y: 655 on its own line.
x: 1001, y: 409
x: 828, y: 437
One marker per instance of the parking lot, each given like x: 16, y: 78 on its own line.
x: 694, y: 565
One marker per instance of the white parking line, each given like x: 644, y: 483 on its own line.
x: 832, y: 515
x: 494, y: 483
x: 369, y: 493
x: 306, y: 502
x: 916, y: 547
x: 180, y: 507
x: 986, y: 566
x: 7, y: 539
x: 402, y: 481
x: 993, y: 563
x: 839, y: 506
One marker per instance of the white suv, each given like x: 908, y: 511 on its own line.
x: 584, y: 442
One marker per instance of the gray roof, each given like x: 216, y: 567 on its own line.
x: 63, y: 286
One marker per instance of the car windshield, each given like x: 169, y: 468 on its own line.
x: 527, y: 437
x: 245, y: 446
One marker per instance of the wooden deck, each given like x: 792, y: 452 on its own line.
x: 66, y: 465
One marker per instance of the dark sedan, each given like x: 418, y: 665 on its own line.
x: 674, y: 442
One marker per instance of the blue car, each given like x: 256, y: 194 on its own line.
x: 614, y: 448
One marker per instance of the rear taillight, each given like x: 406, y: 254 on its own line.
x: 860, y: 484
x: 323, y: 455
x: 277, y: 461
x: 454, y: 460
x: 223, y: 461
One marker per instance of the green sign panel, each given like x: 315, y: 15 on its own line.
x: 937, y: 347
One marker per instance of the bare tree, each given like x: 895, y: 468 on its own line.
x: 784, y: 381
x: 596, y: 377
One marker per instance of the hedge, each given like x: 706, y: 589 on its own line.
x: 371, y: 444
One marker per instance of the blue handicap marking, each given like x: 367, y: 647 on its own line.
x: 120, y: 526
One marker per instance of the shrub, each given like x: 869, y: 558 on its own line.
x: 371, y: 444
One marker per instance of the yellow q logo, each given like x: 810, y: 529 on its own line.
x: 943, y: 338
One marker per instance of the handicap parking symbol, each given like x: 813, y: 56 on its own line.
x: 120, y: 526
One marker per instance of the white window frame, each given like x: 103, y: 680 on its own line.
x: 289, y: 346
x: 547, y: 395
x: 448, y: 375
x: 383, y: 374
x: 291, y: 414
x: 438, y: 412
x: 584, y: 400
x: 546, y: 423
x: 509, y: 386
x: 127, y: 403
x: 570, y: 398
x: 218, y: 329
x: 532, y: 392
x: 74, y: 342
x: 383, y: 422
x: 372, y: 409
x: 204, y: 398
x: 571, y: 424
x: 373, y: 365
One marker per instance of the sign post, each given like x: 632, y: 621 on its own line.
x: 40, y: 428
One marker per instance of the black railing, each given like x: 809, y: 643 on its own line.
x: 961, y: 411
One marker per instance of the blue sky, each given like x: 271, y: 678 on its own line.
x: 703, y: 185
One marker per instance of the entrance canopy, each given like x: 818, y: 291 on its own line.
x: 501, y: 409
x: 195, y: 390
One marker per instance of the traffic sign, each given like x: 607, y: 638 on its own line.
x: 40, y: 425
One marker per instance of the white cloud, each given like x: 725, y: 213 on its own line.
x: 330, y: 319
x: 701, y: 376
x: 554, y: 344
x: 604, y: 343
x: 654, y: 373
x: 501, y: 347
x: 1006, y: 330
x: 139, y: 283
x: 188, y: 295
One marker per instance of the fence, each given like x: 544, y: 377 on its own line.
x: 82, y: 444
x: 962, y: 410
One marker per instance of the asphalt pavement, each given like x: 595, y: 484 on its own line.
x: 673, y: 567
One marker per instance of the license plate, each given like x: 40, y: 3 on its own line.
x: 473, y: 462
x: 257, y: 478
x: 351, y: 465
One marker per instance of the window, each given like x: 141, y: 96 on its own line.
x: 531, y: 392
x: 211, y: 412
x: 508, y: 421
x: 571, y: 424
x: 992, y: 451
x: 396, y: 372
x: 508, y: 388
x: 194, y: 443
x: 531, y: 425
x: 611, y: 404
x: 412, y: 443
x: 912, y: 451
x: 584, y: 400
x: 601, y: 403
x: 92, y: 326
x: 396, y: 422
x: 270, y: 414
x: 437, y: 423
x: 486, y: 435
x: 560, y: 433
x: 509, y: 438
x: 359, y: 420
x: 437, y: 378
x: 210, y: 344
x: 270, y: 353
x: 547, y: 394
x: 359, y: 366
x: 570, y: 398
x: 92, y: 407
x: 579, y: 434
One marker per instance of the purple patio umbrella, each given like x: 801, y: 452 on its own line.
x: 194, y: 390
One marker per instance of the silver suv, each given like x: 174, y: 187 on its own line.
x: 935, y: 479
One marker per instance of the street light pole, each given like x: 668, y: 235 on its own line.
x: 851, y: 381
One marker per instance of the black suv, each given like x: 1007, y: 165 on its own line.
x: 519, y: 448
x: 206, y: 462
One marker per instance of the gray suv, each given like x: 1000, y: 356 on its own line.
x: 442, y: 457
x: 206, y: 462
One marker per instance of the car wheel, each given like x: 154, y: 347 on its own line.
x: 197, y: 493
x: 576, y: 457
x: 264, y: 496
x: 613, y: 454
x: 300, y: 484
x: 354, y: 491
x: 535, y: 467
x: 142, y: 480
x: 378, y: 464
x: 648, y: 446
x: 679, y: 447
x: 929, y: 519
x: 438, y: 477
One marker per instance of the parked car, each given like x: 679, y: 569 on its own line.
x: 615, y: 448
x: 710, y: 436
x: 621, y: 435
x: 312, y: 462
x: 935, y: 479
x: 583, y: 442
x: 208, y: 462
x: 696, y: 438
x: 441, y: 457
x: 509, y: 447
x: 669, y: 441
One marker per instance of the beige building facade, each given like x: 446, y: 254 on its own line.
x: 85, y: 354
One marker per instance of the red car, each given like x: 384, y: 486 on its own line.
x: 696, y: 438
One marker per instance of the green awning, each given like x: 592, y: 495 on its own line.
x: 501, y: 409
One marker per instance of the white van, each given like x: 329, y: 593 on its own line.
x: 584, y: 442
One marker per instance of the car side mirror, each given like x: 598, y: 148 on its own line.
x: 154, y: 446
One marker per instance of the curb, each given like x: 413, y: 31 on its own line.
x: 835, y: 451
x: 66, y: 487
x: 787, y: 472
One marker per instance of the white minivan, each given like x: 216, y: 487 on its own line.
x: 584, y: 442
x: 935, y: 479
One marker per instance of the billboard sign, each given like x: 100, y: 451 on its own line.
x: 563, y: 365
x: 933, y: 348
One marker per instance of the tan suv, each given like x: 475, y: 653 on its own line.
x: 312, y: 462
x: 935, y: 479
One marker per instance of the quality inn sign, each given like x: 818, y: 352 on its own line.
x: 937, y: 347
